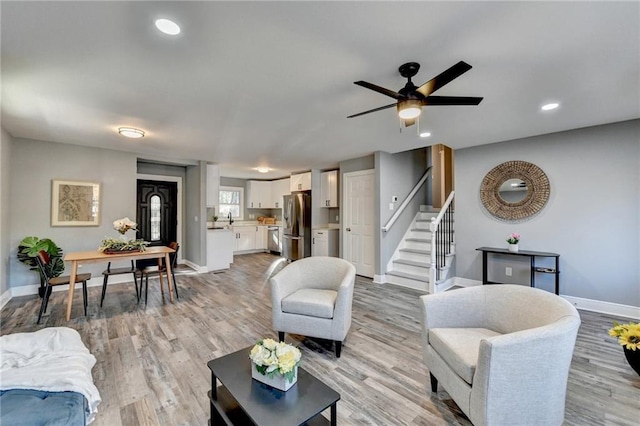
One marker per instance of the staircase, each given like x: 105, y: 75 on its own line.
x: 412, y: 265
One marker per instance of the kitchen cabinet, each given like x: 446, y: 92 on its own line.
x: 261, y: 238
x: 259, y: 194
x: 300, y: 182
x: 213, y: 185
x: 329, y: 189
x: 325, y: 243
x: 220, y: 246
x: 245, y: 237
x: 279, y: 188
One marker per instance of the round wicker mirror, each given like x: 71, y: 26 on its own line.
x: 527, y: 179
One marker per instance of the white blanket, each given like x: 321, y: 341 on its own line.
x: 52, y: 359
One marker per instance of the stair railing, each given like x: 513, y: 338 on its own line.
x: 407, y: 200
x: 441, y: 240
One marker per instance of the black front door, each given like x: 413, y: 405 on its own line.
x: 157, y: 212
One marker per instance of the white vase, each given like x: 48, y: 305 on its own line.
x: 513, y: 248
x: 277, y: 381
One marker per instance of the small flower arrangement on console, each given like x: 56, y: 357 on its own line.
x: 276, y: 363
x: 514, y: 238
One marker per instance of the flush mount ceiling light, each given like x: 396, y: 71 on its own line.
x: 167, y: 26
x: 425, y: 134
x: 409, y: 109
x: 550, y: 106
x: 262, y: 169
x: 130, y: 132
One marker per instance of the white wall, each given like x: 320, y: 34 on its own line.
x: 33, y: 165
x: 5, y: 190
x: 592, y: 218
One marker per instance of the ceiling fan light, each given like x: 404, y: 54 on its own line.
x: 167, y: 26
x: 409, y: 109
x: 130, y: 132
x: 262, y: 169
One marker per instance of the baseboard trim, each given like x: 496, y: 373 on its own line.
x: 465, y: 282
x: 199, y: 269
x: 601, y: 307
x: 380, y: 279
x: 4, y: 299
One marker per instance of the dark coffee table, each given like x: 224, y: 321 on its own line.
x: 240, y: 400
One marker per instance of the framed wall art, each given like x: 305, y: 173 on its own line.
x: 75, y: 203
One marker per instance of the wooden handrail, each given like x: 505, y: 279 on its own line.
x: 407, y: 200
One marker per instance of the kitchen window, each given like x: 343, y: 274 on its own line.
x: 231, y: 200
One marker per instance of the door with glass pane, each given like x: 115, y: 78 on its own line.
x: 157, y: 212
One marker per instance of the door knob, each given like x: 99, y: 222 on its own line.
x: 348, y: 229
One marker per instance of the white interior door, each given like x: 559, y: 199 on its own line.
x: 358, y: 228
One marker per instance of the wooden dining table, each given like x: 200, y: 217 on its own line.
x: 94, y: 256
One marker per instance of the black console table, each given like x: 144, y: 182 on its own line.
x: 527, y: 253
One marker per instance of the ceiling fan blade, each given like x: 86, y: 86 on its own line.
x: 451, y: 100
x: 444, y: 78
x: 390, y: 93
x: 373, y: 110
x: 410, y: 122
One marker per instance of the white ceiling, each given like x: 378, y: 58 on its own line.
x: 271, y: 83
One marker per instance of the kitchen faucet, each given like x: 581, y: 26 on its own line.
x: 230, y: 219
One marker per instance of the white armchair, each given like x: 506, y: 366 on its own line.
x: 313, y: 297
x: 502, y: 352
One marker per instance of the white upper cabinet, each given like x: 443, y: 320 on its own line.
x: 301, y: 182
x: 329, y: 189
x: 279, y: 188
x: 213, y: 185
x: 259, y: 194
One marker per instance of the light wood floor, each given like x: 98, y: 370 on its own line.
x: 151, y: 362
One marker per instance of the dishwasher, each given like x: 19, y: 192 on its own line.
x: 273, y: 235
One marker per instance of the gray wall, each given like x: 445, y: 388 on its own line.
x: 33, y: 165
x: 592, y: 217
x: 162, y: 169
x: 5, y: 190
x: 195, y: 244
x: 396, y: 175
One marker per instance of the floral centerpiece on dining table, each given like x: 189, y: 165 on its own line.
x: 275, y: 363
x: 123, y: 244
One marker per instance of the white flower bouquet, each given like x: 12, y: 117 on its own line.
x: 124, y: 224
x: 271, y: 358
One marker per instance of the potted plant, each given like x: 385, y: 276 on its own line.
x: 628, y: 336
x: 28, y: 250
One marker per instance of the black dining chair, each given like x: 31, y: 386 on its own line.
x: 43, y: 260
x: 119, y: 271
x: 148, y: 270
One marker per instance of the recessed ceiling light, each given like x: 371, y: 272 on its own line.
x: 425, y: 134
x: 549, y: 107
x: 262, y: 169
x: 167, y: 26
x: 130, y: 132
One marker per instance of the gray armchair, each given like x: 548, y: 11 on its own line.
x: 313, y: 297
x: 502, y: 352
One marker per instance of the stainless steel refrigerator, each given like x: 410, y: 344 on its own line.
x: 296, y: 226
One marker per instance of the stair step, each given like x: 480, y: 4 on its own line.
x: 415, y: 263
x: 418, y: 240
x: 416, y: 251
x: 421, y: 278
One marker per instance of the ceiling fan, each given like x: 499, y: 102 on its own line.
x: 411, y: 99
